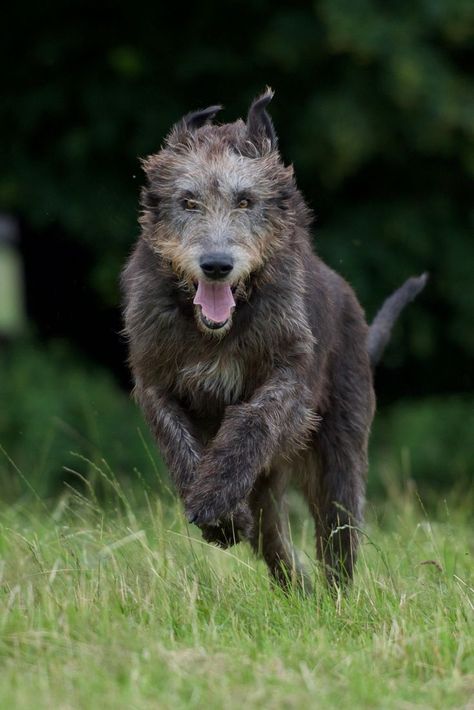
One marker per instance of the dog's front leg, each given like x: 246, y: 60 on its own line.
x: 182, y: 453
x: 277, y: 418
x: 173, y: 433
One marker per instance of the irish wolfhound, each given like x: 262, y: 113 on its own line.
x: 251, y: 358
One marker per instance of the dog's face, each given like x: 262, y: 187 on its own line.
x: 217, y: 205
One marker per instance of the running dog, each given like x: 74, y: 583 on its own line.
x: 251, y: 358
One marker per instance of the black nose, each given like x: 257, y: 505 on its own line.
x: 217, y: 265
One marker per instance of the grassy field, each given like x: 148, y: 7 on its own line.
x: 127, y: 608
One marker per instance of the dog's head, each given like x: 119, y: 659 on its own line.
x: 217, y: 204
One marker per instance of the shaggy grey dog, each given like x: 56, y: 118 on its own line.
x: 251, y: 358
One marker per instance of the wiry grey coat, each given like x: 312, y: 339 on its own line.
x: 283, y: 388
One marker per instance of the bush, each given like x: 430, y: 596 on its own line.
x: 59, y: 415
x: 374, y: 105
x: 429, y: 441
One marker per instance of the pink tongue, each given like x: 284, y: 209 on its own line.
x: 215, y: 299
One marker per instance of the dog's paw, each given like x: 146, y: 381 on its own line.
x: 207, y: 508
x: 223, y: 535
x: 215, y: 493
x: 228, y: 531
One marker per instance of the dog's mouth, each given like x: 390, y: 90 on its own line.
x: 216, y: 302
x: 212, y: 325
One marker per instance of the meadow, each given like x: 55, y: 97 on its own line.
x: 107, y: 598
x: 116, y: 603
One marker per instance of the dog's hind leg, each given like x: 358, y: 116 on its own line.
x: 270, y: 538
x: 335, y: 491
x: 335, y: 487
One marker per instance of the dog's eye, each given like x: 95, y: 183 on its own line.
x: 243, y: 204
x: 190, y: 204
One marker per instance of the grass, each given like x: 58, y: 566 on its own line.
x: 127, y: 608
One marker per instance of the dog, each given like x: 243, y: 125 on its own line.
x: 251, y: 358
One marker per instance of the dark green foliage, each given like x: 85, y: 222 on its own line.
x: 57, y: 415
x: 374, y: 106
x: 429, y: 441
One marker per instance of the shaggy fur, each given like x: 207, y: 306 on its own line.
x: 283, y: 388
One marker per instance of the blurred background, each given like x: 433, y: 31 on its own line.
x: 374, y: 107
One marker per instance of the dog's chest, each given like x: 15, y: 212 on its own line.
x: 221, y: 379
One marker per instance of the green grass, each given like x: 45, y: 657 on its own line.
x: 127, y: 608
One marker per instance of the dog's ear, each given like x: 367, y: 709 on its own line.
x: 196, y: 119
x: 180, y: 136
x: 260, y: 128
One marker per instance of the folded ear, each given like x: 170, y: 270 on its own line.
x: 196, y: 119
x: 180, y: 135
x: 260, y: 128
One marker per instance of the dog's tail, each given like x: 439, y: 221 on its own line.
x: 381, y: 327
